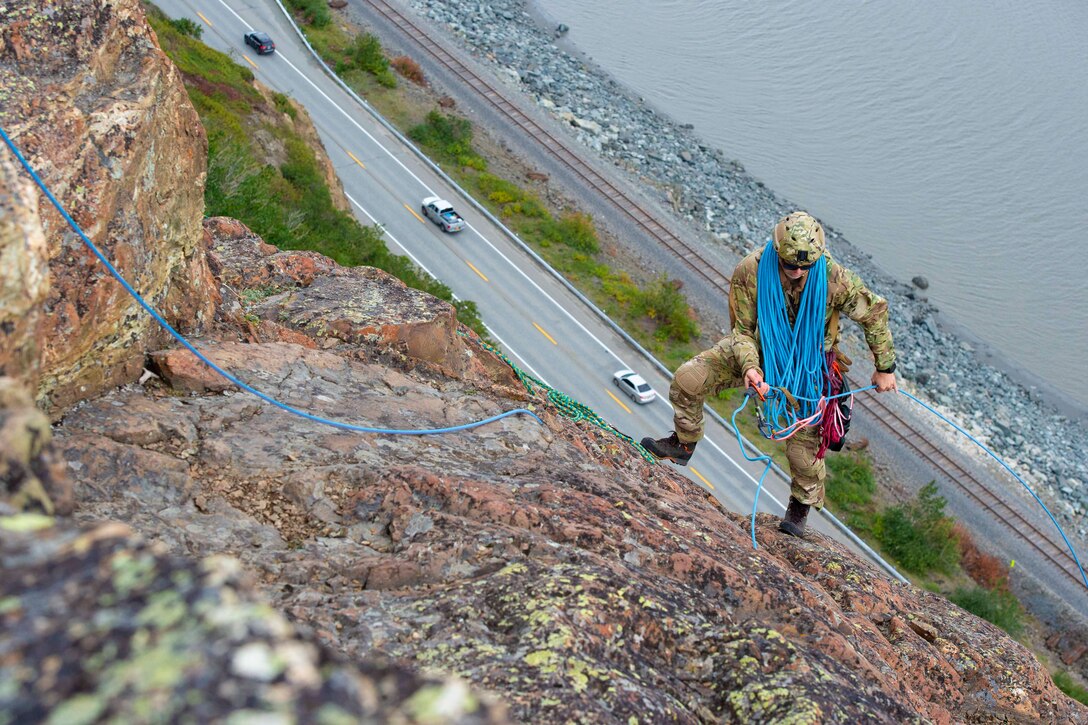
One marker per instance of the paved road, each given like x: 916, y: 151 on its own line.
x: 544, y: 328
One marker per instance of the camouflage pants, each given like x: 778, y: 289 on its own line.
x: 717, y: 369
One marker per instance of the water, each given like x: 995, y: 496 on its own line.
x: 947, y: 140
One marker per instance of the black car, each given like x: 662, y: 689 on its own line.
x: 260, y: 42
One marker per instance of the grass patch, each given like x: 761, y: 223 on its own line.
x: 312, y: 12
x: 185, y: 26
x: 917, y: 535
x: 448, y: 139
x: 998, y: 607
x: 1066, y: 684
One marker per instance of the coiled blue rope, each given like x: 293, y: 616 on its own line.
x: 177, y: 336
x: 793, y: 354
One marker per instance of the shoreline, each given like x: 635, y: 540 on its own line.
x: 1029, y: 423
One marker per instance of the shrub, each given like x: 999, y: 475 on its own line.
x: 663, y: 303
x: 409, y: 69
x: 1066, y: 684
x: 998, y: 607
x: 185, y: 26
x: 850, y: 480
x: 918, y: 535
x: 315, y: 12
x: 366, y: 54
x: 284, y: 105
x: 449, y: 138
x: 986, y: 570
x: 574, y: 230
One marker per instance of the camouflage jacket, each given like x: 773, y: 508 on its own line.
x: 846, y: 294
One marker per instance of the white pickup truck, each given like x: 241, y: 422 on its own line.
x: 441, y: 213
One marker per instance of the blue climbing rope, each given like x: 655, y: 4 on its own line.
x: 177, y: 336
x: 1014, y: 475
x: 793, y: 354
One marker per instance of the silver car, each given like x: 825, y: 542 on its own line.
x: 636, y: 388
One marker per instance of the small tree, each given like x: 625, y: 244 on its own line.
x: 918, y: 535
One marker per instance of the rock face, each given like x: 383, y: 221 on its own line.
x: 549, y: 565
x: 100, y: 626
x: 102, y: 115
x: 546, y: 564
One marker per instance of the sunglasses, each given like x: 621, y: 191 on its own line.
x: 795, y: 267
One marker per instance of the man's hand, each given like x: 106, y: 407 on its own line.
x: 884, y: 382
x: 754, y: 380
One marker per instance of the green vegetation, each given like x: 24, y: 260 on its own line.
x: 851, y: 487
x: 448, y: 139
x: 918, y: 535
x: 185, y: 26
x: 284, y: 105
x: 313, y: 12
x: 999, y: 607
x: 1066, y: 684
x: 285, y: 200
x: 366, y: 55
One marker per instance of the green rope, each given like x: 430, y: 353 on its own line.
x: 565, y: 405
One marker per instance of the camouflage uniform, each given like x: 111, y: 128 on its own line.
x: 724, y: 365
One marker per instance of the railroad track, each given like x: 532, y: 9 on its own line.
x: 901, y: 429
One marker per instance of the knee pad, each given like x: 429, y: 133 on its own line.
x: 691, y: 377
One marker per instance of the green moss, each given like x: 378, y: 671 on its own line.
x: 540, y: 658
x: 132, y: 572
x: 25, y: 523
x: 78, y: 710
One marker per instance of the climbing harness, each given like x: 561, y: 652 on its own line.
x: 753, y: 393
x: 228, y: 376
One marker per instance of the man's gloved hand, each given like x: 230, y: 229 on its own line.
x: 884, y: 382
x: 754, y: 379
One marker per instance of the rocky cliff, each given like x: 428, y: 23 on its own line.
x: 523, y: 571
x: 102, y: 114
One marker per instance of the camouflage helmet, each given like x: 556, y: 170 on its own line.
x: 799, y: 239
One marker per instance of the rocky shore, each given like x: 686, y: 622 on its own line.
x: 1041, y: 436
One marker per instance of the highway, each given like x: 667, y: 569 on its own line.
x: 540, y: 324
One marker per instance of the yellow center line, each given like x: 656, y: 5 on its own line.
x: 417, y: 216
x: 545, y: 334
x: 617, y: 400
x: 356, y: 160
x: 209, y: 22
x: 470, y: 264
x: 248, y: 60
x: 708, y: 483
